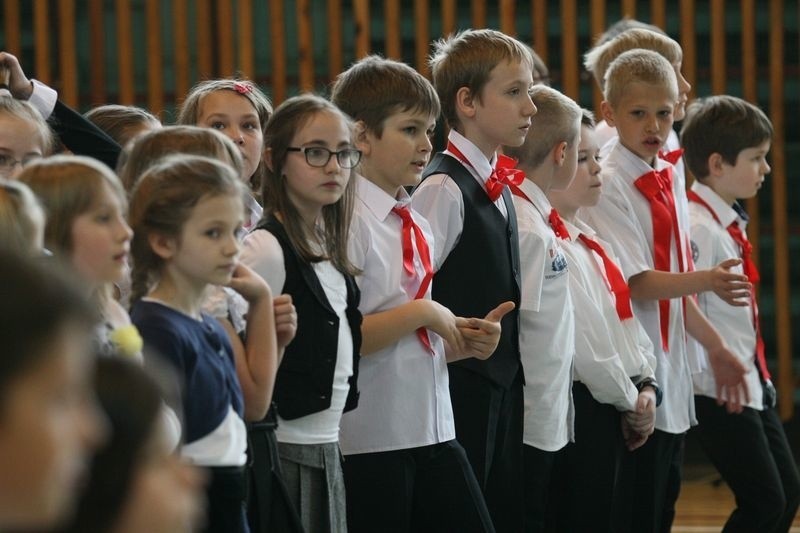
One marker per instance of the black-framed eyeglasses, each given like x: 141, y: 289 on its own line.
x: 317, y: 156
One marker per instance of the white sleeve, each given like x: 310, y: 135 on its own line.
x: 597, y: 363
x: 439, y: 200
x: 358, y: 242
x: 533, y: 260
x: 263, y: 253
x: 43, y: 98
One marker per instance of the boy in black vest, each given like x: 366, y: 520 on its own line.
x: 482, y: 78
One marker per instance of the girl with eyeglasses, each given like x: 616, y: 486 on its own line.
x: 300, y: 248
x: 24, y: 136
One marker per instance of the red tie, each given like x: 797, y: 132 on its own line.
x: 502, y: 174
x: 671, y: 157
x: 558, y: 225
x: 750, y: 270
x: 656, y: 186
x: 409, y: 227
x: 614, y: 278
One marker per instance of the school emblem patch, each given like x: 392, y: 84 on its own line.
x: 695, y: 251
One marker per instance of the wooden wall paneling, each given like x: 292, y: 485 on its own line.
x: 244, y: 27
x: 278, y: 46
x: 335, y: 61
x: 205, y: 41
x: 508, y: 17
x: 539, y: 27
x: 597, y: 25
x: 478, y: 11
x: 421, y: 36
x: 449, y: 17
x: 658, y: 13
x: 778, y: 177
x: 11, y: 28
x: 41, y: 39
x: 305, y: 46
x: 155, y: 63
x: 749, y: 78
x: 67, y: 51
x: 629, y: 9
x: 224, y: 38
x: 361, y: 12
x: 569, y: 45
x: 125, y: 53
x: 181, y: 45
x: 392, y: 24
x: 97, y: 56
x: 688, y: 41
x: 718, y: 70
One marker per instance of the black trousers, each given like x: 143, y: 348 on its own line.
x: 225, y: 494
x: 426, y: 489
x: 541, y: 472
x: 488, y: 421
x: 584, y: 478
x: 648, y: 484
x: 269, y: 507
x: 752, y: 454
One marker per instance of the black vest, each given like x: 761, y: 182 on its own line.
x: 304, y: 382
x: 482, y: 270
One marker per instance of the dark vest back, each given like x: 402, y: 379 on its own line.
x: 482, y: 270
x: 305, y: 377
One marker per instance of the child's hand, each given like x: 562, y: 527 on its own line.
x: 250, y: 285
x: 19, y: 85
x: 444, y: 323
x: 632, y: 439
x: 643, y: 419
x: 285, y: 320
x: 729, y: 373
x: 482, y: 335
x: 731, y: 287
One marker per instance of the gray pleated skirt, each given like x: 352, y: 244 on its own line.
x: 314, y: 479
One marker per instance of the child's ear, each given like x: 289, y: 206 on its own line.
x: 465, y: 102
x: 608, y: 113
x: 560, y: 153
x: 715, y: 164
x: 162, y: 245
x: 267, y: 156
x: 362, y: 138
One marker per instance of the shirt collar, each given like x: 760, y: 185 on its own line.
x: 537, y: 196
x: 635, y: 163
x: 378, y: 201
x: 724, y: 212
x: 482, y: 166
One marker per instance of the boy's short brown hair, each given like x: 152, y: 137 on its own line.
x: 374, y: 88
x: 598, y: 59
x: 466, y: 59
x: 725, y: 125
x: 557, y: 120
x: 638, y: 66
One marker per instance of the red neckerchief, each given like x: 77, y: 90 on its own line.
x: 671, y: 157
x: 614, y: 278
x: 409, y: 227
x: 503, y: 173
x: 750, y: 270
x: 656, y: 187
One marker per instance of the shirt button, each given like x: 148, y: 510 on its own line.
x: 331, y: 322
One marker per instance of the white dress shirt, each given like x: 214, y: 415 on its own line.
x: 405, y: 395
x: 439, y: 199
x: 712, y: 244
x: 547, y: 328
x: 599, y: 352
x: 623, y: 218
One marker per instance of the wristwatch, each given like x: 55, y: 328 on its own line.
x: 650, y: 382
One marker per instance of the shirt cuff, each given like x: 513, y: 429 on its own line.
x: 43, y: 98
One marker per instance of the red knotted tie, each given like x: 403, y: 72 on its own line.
x: 614, y: 278
x: 502, y: 174
x: 558, y: 226
x: 656, y: 187
x: 409, y: 227
x: 753, y: 276
x: 671, y: 157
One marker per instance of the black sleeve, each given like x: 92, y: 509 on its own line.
x: 81, y: 137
